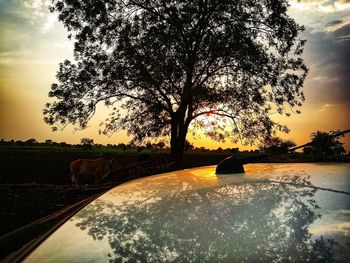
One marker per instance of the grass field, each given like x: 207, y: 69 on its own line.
x: 51, y: 165
x: 34, y: 181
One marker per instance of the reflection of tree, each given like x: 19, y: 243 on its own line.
x: 241, y: 222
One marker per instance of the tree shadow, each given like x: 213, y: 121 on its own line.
x: 229, y: 221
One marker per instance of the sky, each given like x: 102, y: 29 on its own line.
x: 33, y: 42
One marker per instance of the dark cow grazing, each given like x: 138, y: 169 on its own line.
x: 90, y: 171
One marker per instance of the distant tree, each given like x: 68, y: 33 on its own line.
x: 63, y: 144
x: 307, y: 150
x: 326, y: 145
x: 122, y: 146
x: 48, y: 142
x: 188, y: 146
x: 87, y: 142
x: 160, y: 145
x: 219, y: 149
x: 276, y: 145
x: 55, y: 143
x: 140, y: 148
x: 149, y: 145
x: 31, y: 141
x: 19, y: 142
x: 131, y: 145
x: 175, y: 63
x: 234, y: 150
x: 203, y: 149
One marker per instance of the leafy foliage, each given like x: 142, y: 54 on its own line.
x: 163, y: 65
x: 276, y: 145
x: 235, y: 221
x: 87, y: 142
x: 325, y: 145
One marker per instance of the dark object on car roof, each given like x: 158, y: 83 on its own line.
x: 234, y: 164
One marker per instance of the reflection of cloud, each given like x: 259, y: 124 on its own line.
x: 341, y: 32
x: 343, y: 228
x: 344, y: 212
x: 334, y: 23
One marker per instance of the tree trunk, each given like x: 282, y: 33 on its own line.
x: 177, y: 141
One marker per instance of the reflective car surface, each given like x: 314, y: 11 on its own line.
x: 268, y: 214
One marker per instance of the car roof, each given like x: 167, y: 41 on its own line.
x: 192, y: 215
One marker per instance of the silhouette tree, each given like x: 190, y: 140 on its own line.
x: 274, y: 145
x: 31, y: 141
x: 48, y: 142
x: 122, y: 146
x: 87, y: 142
x: 170, y: 64
x: 188, y: 146
x: 325, y: 145
x: 160, y: 145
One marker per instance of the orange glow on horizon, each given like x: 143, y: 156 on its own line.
x: 33, y: 45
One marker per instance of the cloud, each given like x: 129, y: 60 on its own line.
x: 326, y: 53
x: 28, y: 32
x: 49, y: 23
x: 35, y: 4
x: 28, y: 15
x: 323, y: 6
x: 325, y: 107
x: 343, y: 2
x: 343, y: 228
x: 325, y: 79
x: 320, y: 16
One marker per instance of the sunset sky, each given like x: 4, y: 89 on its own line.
x: 33, y: 42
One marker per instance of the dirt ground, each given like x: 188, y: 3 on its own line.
x: 35, y: 183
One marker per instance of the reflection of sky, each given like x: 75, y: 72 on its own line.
x: 180, y: 212
x: 73, y: 234
x: 335, y: 207
x: 33, y: 42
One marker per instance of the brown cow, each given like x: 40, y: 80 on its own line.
x: 86, y: 170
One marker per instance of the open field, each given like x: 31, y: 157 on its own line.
x: 34, y: 182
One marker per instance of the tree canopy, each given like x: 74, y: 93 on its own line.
x: 275, y: 145
x: 220, y: 65
x: 324, y: 145
x: 87, y: 142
